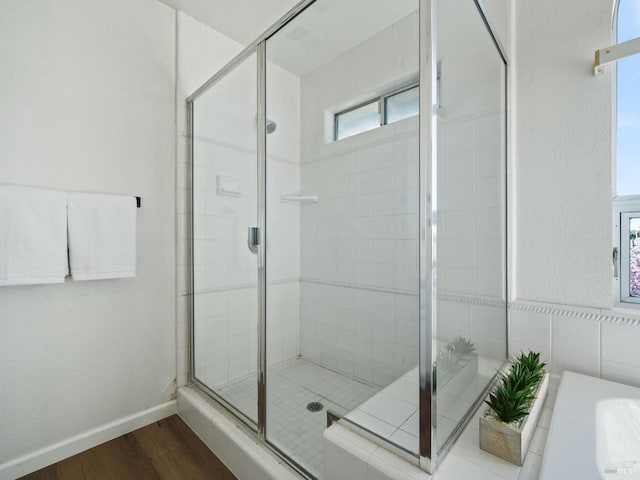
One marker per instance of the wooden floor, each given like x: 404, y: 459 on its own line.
x: 167, y: 449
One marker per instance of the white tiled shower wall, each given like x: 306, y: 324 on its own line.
x: 362, y: 233
x: 471, y: 182
x: 225, y: 307
x: 224, y: 273
x: 201, y: 52
x: 359, y: 243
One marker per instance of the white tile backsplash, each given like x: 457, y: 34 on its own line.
x: 587, y: 364
x: 577, y: 336
x: 620, y: 344
x: 516, y: 348
x: 530, y: 328
x: 620, y: 372
x: 600, y: 343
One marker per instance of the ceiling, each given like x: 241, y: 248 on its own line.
x: 329, y: 27
x: 241, y: 20
x: 326, y: 29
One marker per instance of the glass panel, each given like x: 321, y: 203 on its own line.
x: 471, y: 307
x: 342, y: 230
x: 402, y: 105
x: 358, y: 120
x: 224, y: 207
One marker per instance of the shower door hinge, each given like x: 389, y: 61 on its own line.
x: 615, y: 262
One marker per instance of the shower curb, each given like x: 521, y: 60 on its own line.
x: 238, y: 448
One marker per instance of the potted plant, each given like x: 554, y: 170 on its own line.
x: 513, y: 408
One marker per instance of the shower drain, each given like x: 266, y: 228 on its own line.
x: 314, y: 406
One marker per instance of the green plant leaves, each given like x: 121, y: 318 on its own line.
x: 512, y: 397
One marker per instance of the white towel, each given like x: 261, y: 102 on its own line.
x: 102, y: 236
x: 33, y: 235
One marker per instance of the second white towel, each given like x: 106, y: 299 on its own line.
x: 102, y: 236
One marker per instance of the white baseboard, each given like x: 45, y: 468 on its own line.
x: 59, y: 451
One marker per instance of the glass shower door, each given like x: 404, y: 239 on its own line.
x: 342, y: 285
x: 225, y: 269
x: 471, y: 318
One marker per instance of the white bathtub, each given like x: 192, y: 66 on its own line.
x: 594, y: 432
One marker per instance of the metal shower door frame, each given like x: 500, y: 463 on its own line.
x: 428, y: 222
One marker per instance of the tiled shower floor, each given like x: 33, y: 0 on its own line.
x: 388, y: 413
x: 291, y: 385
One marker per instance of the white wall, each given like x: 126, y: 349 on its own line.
x: 87, y: 104
x: 562, y: 194
x: 563, y: 134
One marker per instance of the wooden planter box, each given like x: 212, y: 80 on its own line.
x: 506, y: 442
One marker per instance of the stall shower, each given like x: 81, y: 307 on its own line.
x: 321, y: 286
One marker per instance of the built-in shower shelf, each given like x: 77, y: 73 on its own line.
x: 299, y: 198
x: 228, y: 186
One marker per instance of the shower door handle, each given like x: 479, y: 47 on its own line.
x: 253, y: 239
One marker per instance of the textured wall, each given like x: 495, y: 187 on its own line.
x: 562, y: 155
x: 562, y: 162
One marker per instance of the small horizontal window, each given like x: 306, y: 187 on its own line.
x: 357, y: 120
x: 402, y: 105
x: 391, y: 107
